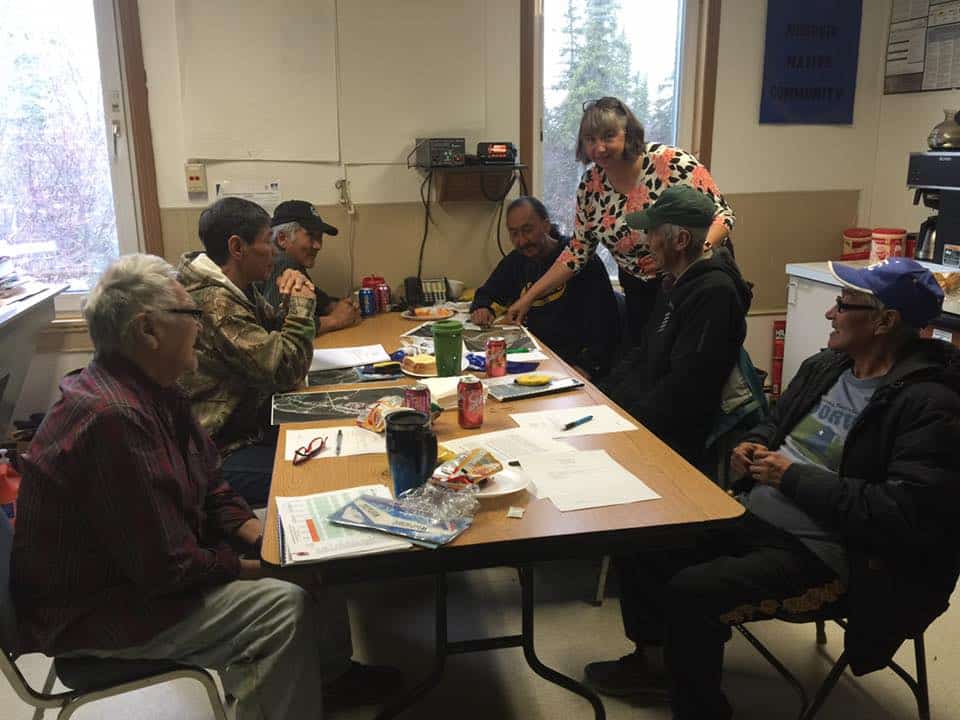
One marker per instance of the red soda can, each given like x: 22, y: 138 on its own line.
x: 417, y: 397
x: 383, y: 297
x: 469, y: 402
x: 496, y: 357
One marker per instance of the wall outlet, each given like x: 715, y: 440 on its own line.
x: 196, y: 176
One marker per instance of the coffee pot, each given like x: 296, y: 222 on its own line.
x: 927, y: 239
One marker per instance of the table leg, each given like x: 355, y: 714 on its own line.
x: 526, y: 586
x: 394, y: 707
x: 443, y: 647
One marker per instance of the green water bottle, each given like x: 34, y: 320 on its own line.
x: 448, y: 346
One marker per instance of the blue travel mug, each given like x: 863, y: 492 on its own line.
x: 411, y: 449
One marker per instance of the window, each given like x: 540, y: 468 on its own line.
x: 595, y: 48
x: 66, y: 188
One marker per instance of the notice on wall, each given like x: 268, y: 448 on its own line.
x: 810, y: 62
x: 923, y: 46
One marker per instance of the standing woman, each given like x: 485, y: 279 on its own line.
x: 626, y: 176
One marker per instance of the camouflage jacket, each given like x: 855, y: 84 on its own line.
x: 245, y: 353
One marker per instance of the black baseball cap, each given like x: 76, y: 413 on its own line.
x: 302, y: 212
x: 678, y: 205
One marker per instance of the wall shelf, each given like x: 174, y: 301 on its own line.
x: 475, y: 183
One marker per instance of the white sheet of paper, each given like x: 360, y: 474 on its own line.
x: 512, y: 444
x: 335, y: 358
x: 356, y: 441
x: 584, y: 479
x: 551, y: 422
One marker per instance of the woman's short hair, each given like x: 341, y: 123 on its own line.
x: 610, y: 114
x: 130, y: 285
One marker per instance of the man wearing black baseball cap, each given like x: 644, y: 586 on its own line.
x: 298, y: 234
x: 852, y: 500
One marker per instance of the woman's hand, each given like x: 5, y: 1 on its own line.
x: 517, y: 312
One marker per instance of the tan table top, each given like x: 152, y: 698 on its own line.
x: 687, y: 496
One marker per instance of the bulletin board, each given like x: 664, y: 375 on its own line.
x: 241, y: 102
x: 922, y: 46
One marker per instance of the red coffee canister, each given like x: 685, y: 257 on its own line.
x: 470, y: 402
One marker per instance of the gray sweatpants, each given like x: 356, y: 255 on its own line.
x: 270, y: 641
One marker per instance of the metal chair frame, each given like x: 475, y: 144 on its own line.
x: 70, y: 701
x: 918, y: 685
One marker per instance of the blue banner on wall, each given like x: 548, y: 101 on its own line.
x: 810, y: 61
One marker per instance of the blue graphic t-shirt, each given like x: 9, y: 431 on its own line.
x: 816, y: 440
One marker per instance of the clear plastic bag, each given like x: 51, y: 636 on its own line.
x: 441, y: 504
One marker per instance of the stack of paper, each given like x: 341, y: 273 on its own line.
x: 332, y: 358
x: 356, y: 441
x: 584, y: 479
x: 307, y: 536
x: 551, y: 422
x: 507, y: 445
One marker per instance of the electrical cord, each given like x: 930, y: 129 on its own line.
x: 425, y: 199
x: 502, y: 200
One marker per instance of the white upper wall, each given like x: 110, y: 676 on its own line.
x: 750, y: 157
x: 415, y: 56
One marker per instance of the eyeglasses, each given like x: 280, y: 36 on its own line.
x: 843, y: 307
x: 311, y: 449
x: 605, y: 103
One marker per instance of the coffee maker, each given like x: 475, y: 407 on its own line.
x: 935, y: 178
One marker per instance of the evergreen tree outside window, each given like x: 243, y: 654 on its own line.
x: 596, y: 48
x: 58, y: 207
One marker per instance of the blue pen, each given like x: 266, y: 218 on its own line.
x: 574, y: 423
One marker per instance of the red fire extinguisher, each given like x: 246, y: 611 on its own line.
x: 776, y: 369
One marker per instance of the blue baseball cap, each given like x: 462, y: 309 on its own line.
x: 899, y: 283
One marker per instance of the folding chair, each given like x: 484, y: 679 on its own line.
x: 917, y: 685
x: 91, y: 679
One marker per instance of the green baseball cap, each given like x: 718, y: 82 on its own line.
x: 678, y: 205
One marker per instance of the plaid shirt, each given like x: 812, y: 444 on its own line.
x: 122, y: 515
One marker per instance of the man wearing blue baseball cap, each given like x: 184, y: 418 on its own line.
x: 852, y: 496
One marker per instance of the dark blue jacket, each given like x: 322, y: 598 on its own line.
x: 578, y: 320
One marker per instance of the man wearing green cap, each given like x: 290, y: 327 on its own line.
x: 671, y: 382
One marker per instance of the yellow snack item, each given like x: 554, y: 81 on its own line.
x: 444, y: 454
x: 533, y: 379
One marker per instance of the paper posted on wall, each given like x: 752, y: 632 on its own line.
x: 306, y: 535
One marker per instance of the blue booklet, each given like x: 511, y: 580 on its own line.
x: 386, y: 515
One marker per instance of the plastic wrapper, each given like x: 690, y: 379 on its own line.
x: 374, y: 416
x: 440, y: 504
x: 468, y: 469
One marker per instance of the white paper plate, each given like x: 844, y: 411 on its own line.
x: 411, y: 373
x: 505, y: 482
x: 441, y: 314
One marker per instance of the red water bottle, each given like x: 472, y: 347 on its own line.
x: 9, y: 487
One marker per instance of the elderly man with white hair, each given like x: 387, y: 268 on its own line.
x: 130, y: 545
x: 298, y: 233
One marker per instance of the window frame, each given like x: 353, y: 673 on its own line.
x: 697, y: 59
x: 132, y: 167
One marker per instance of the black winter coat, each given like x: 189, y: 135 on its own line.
x: 895, y: 501
x: 672, y: 381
